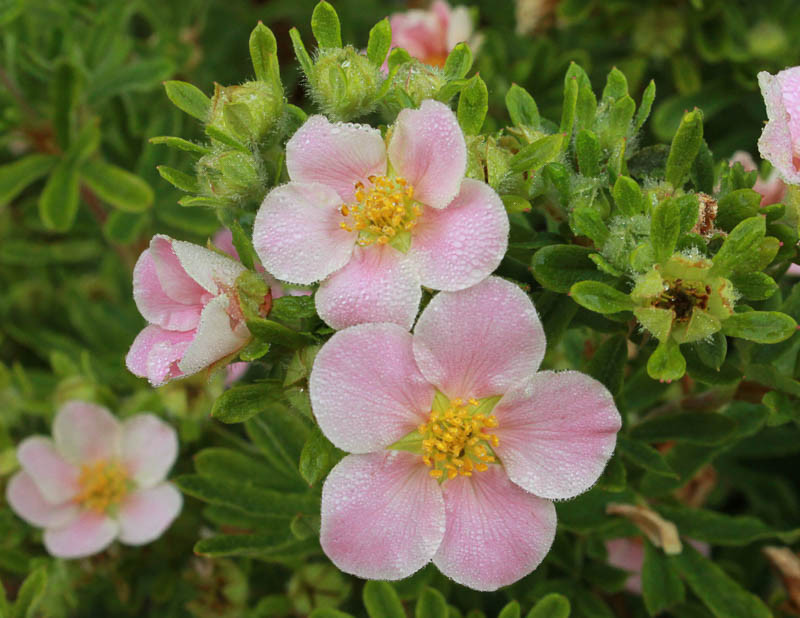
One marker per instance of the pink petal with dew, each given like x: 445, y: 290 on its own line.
x: 557, y: 432
x: 461, y: 245
x: 382, y: 515
x: 88, y: 534
x: 297, y: 234
x: 155, y: 354
x: 216, y: 337
x: 213, y: 271
x: 366, y: 390
x: 479, y: 342
x: 379, y: 284
x: 427, y: 148
x: 175, y: 282
x: 56, y: 478
x: 337, y: 155
x: 496, y: 532
x: 145, y: 514
x: 779, y: 141
x: 234, y: 372
x: 149, y: 448
x: 28, y: 502
x: 85, y: 432
x: 155, y: 304
x: 628, y: 554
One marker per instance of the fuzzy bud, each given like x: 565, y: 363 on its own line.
x: 230, y: 174
x: 248, y: 112
x: 344, y: 83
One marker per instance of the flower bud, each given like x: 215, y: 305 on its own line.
x: 248, y: 112
x: 344, y: 83
x: 417, y: 80
x: 230, y: 174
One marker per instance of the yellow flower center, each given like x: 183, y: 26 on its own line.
x: 383, y: 212
x: 455, y: 441
x: 103, y: 484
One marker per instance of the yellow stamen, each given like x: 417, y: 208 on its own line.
x: 103, y: 484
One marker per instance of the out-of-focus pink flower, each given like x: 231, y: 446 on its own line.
x: 772, y: 189
x: 458, y: 445
x: 188, y: 295
x: 780, y: 141
x: 628, y: 554
x: 431, y: 35
x: 375, y: 222
x: 97, y: 480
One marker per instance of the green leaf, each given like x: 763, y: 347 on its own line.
x: 300, y: 51
x: 380, y: 40
x: 239, y: 403
x: 568, y: 111
x: 706, y: 428
x: 179, y: 179
x: 458, y: 63
x: 431, y: 604
x: 646, y: 105
x: 224, y: 463
x: 535, y: 155
x: 661, y: 586
x: 712, y: 350
x: 264, y: 55
x: 720, y: 594
x: 689, y: 209
x: 553, y: 605
x: 270, y: 546
x: 665, y: 227
x: 381, y: 600
x: 189, y: 99
x: 558, y: 267
x: 511, y: 610
x: 522, y: 107
x: 754, y: 285
x: 666, y: 363
x: 473, y: 105
x: 325, y: 26
x: 280, y: 434
x: 703, y: 170
x: 180, y: 144
x: 30, y: 594
x: 616, y: 85
x: 293, y: 308
x: 58, y: 202
x: 760, y: 326
x: 608, y: 363
x: 318, y: 457
x: 587, y: 221
x: 16, y: 176
x: 65, y: 89
x: 684, y: 148
x: 588, y: 152
x: 272, y: 332
x: 644, y: 456
x: 586, y: 107
x: 327, y: 612
x: 600, y: 298
x: 739, y: 246
x: 117, y: 186
x: 737, y: 206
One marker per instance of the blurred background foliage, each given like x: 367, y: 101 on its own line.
x: 80, y: 196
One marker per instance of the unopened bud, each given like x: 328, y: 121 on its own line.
x: 248, y: 112
x: 344, y: 83
x: 230, y: 174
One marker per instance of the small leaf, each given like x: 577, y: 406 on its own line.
x: 740, y: 245
x: 381, y: 600
x: 737, y: 206
x: 380, y: 40
x: 643, y: 112
x: 568, y: 111
x: 706, y: 428
x: 628, y: 196
x: 600, y: 298
x: 587, y: 221
x: 473, y: 105
x: 665, y: 227
x: 180, y: 144
x: 684, y: 148
x: 30, y: 594
x: 522, y: 107
x: 666, y: 363
x: 431, y: 604
x: 755, y: 285
x: 558, y: 267
x: 588, y: 151
x: 644, y: 456
x: 264, y: 55
x: 712, y: 350
x: 537, y: 154
x: 325, y: 26
x: 511, y: 610
x: 616, y: 85
x: 179, y: 179
x: 458, y: 63
x: 318, y: 457
x: 300, y: 52
x: 553, y: 605
x: 58, y: 202
x: 188, y: 98
x: 239, y: 403
x: 760, y: 326
x: 267, y: 546
x: 117, y: 186
x: 293, y: 308
x: 661, y: 586
x: 16, y: 176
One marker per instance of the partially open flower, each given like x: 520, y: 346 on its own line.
x: 97, y: 480
x: 780, y: 141
x: 188, y: 295
x: 375, y: 222
x: 459, y: 445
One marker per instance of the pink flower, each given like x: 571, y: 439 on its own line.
x: 459, y: 445
x: 628, y: 554
x: 780, y: 141
x: 772, y: 189
x: 374, y: 222
x: 97, y: 480
x: 431, y: 35
x: 188, y: 295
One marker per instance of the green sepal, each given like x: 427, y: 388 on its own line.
x: 666, y: 363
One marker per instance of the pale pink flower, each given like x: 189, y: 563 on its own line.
x: 97, y: 480
x: 375, y: 222
x: 458, y: 445
x: 628, y: 554
x: 187, y: 293
x: 430, y: 35
x: 780, y: 141
x: 771, y: 189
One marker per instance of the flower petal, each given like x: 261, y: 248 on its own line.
x: 85, y: 432
x: 155, y: 304
x: 175, y: 282
x: 366, y: 390
x: 496, y: 532
x: 215, y: 339
x: 336, y: 154
x: 557, y: 432
x: 147, y: 513
x: 479, y: 342
x: 628, y: 554
x: 87, y: 534
x: 382, y: 515
x: 427, y: 148
x: 461, y: 245
x: 28, y: 502
x: 780, y: 140
x: 155, y: 353
x: 297, y: 233
x: 56, y: 478
x: 149, y: 448
x: 459, y: 28
x: 213, y: 271
x: 379, y: 284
